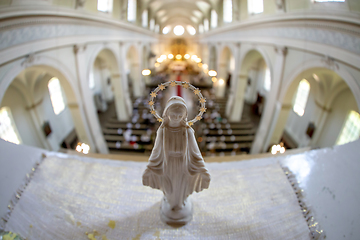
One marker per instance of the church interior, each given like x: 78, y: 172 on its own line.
x: 272, y: 89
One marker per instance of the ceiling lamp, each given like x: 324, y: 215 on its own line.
x: 166, y: 30
x: 178, y: 56
x: 179, y: 30
x: 191, y: 30
x: 146, y: 72
x: 212, y: 73
x: 187, y: 56
x: 170, y: 56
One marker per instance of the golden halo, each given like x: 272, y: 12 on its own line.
x: 185, y: 85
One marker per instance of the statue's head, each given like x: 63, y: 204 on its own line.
x: 175, y: 111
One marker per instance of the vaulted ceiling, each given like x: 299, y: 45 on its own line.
x: 182, y: 12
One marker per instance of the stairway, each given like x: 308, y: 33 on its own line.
x: 135, y: 137
x: 218, y: 137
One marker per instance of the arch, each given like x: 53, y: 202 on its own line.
x: 226, y: 69
x: 325, y: 91
x: 132, y: 66
x: 317, y: 63
x: 253, y: 63
x: 68, y: 83
x: 212, y: 57
x: 117, y: 89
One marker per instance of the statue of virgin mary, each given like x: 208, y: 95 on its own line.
x: 176, y: 166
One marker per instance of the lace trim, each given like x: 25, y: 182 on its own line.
x: 316, y: 232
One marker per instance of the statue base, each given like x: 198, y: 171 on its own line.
x: 179, y: 216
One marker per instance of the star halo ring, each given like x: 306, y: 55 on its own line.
x: 185, y: 85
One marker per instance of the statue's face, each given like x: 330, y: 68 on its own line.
x: 176, y: 114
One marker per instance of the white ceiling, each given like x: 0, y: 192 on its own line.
x: 179, y: 12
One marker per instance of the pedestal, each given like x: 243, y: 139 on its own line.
x: 176, y: 216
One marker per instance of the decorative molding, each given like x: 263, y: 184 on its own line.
x: 29, y: 60
x: 280, y: 4
x: 281, y: 50
x: 34, y: 105
x: 322, y: 107
x: 79, y: 48
x: 330, y: 63
x: 79, y: 3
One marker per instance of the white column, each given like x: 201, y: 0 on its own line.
x: 321, y: 115
x: 278, y: 124
x: 89, y: 106
x: 120, y: 101
x: 37, y: 121
x: 238, y: 99
x: 270, y: 113
x: 233, y: 84
x: 124, y: 81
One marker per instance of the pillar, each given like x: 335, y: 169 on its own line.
x: 271, y: 114
x: 321, y: 115
x: 89, y: 106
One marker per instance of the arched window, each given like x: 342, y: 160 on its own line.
x: 56, y: 95
x: 152, y: 24
x: 8, y: 130
x: 206, y: 25
x: 131, y: 11
x: 301, y: 97
x: 227, y: 11
x: 144, y: 18
x: 267, y: 79
x: 351, y: 129
x: 166, y: 30
x: 201, y: 28
x: 104, y: 5
x: 255, y: 6
x: 214, y: 19
x: 191, y: 30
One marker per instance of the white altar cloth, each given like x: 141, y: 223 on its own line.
x: 69, y: 197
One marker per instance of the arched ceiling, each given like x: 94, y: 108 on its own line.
x: 179, y: 12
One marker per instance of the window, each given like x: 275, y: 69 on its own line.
x: 201, y: 28
x: 301, y: 97
x: 152, y: 24
x: 255, y: 6
x: 191, y: 30
x: 206, y: 25
x: 166, y: 30
x: 144, y: 18
x: 8, y: 130
x: 227, y: 7
x: 267, y: 79
x: 214, y: 19
x: 328, y: 0
x: 131, y: 11
x: 351, y: 130
x: 157, y: 28
x: 179, y: 30
x: 91, y: 79
x: 104, y: 5
x: 56, y: 96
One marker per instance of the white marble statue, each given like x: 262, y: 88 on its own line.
x: 176, y: 166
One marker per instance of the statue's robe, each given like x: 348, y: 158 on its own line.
x: 176, y: 165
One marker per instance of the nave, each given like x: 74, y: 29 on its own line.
x: 216, y: 135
